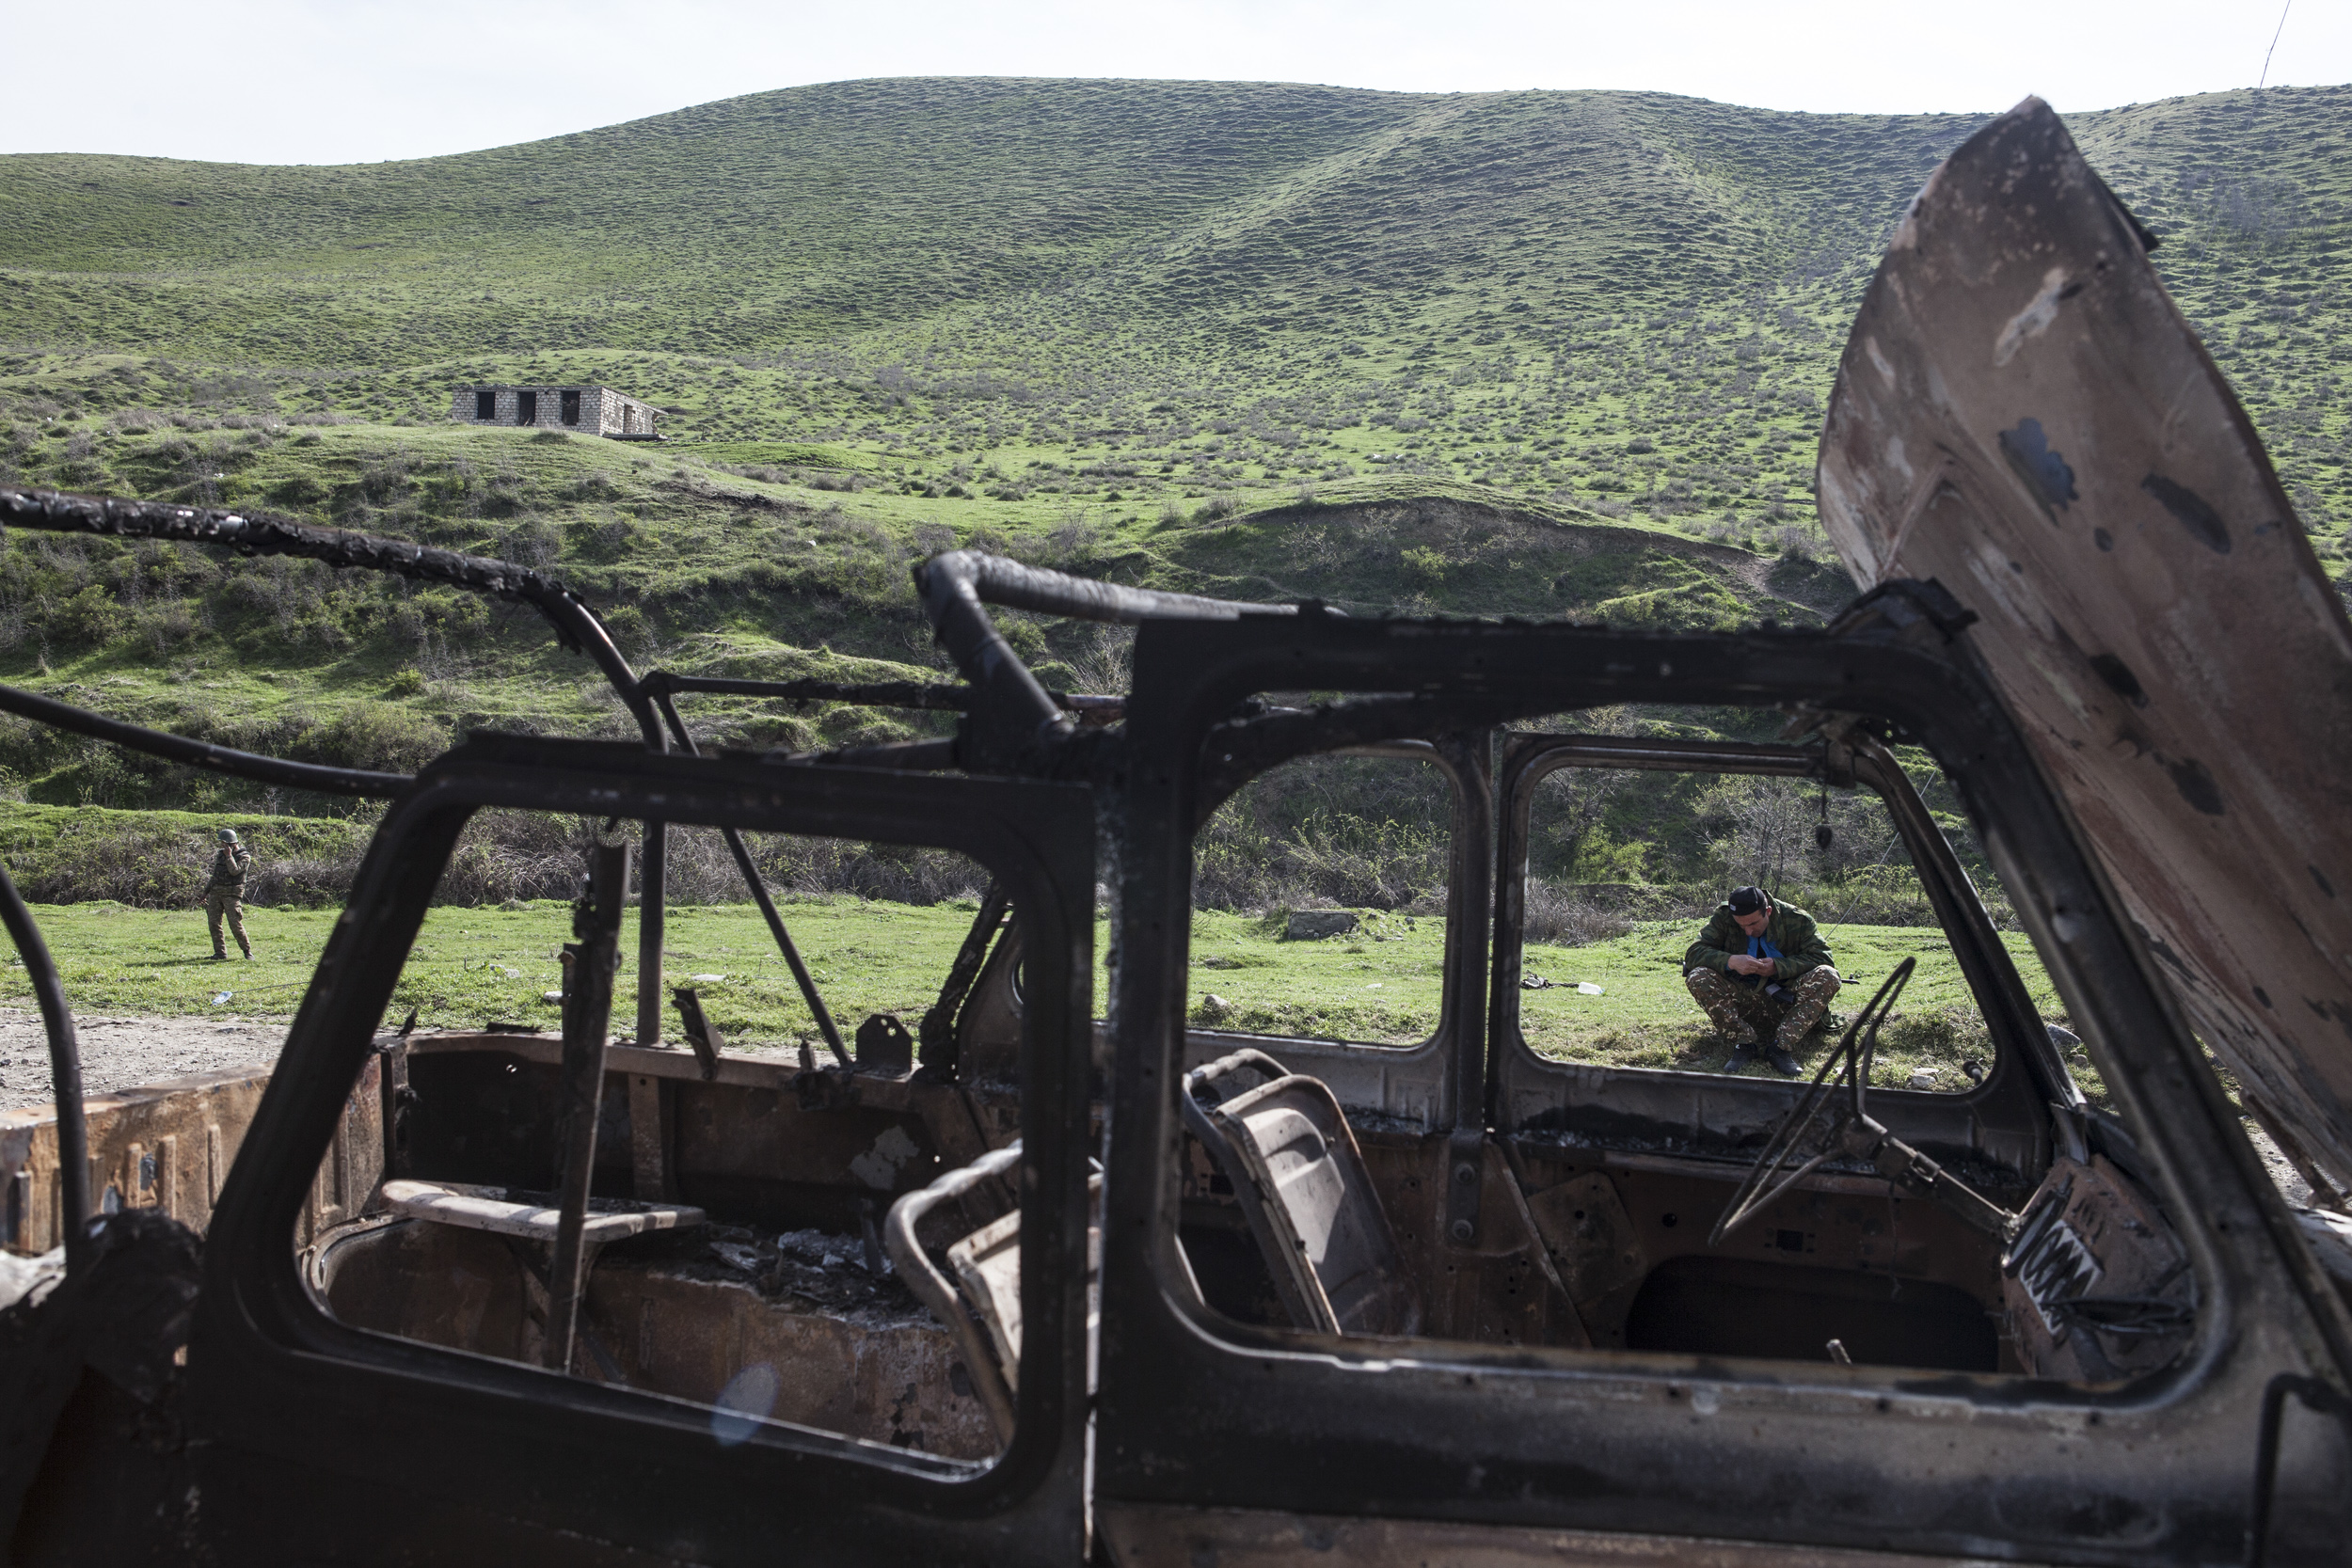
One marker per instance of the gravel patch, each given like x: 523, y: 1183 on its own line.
x: 126, y: 1053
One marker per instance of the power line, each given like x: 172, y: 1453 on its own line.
x: 2274, y: 43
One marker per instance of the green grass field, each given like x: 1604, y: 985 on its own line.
x: 474, y: 967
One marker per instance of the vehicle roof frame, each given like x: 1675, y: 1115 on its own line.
x: 271, y: 1372
x: 1178, y: 1418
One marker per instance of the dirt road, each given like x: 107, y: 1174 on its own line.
x: 124, y: 1052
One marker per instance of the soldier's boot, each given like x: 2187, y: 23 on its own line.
x: 1719, y: 998
x: 1813, y: 991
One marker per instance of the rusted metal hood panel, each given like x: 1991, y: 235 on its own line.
x: 2023, y: 414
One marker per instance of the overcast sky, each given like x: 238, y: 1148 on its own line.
x: 348, y: 81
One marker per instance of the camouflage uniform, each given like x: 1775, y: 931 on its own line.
x: 1739, y: 1010
x: 1738, y: 1005
x: 224, y: 898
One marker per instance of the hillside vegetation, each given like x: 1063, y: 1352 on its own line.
x: 1547, y: 354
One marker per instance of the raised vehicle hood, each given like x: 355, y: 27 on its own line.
x: 2023, y: 414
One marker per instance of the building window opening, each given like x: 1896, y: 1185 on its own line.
x: 485, y: 403
x: 526, y: 408
x: 571, y: 408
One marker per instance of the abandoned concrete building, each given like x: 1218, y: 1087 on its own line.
x: 592, y: 410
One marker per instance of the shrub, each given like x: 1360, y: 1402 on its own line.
x: 87, y: 619
x: 382, y: 736
x: 1557, y: 913
x: 1423, y: 563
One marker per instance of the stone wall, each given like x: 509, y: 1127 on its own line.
x: 599, y: 410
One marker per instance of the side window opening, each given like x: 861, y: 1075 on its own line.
x: 1618, y: 1224
x: 485, y: 403
x: 737, y: 1249
x: 571, y: 408
x: 1319, y: 903
x: 1626, y: 868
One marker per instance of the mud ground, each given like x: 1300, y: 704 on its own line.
x: 125, y: 1053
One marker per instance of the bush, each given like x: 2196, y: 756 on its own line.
x: 385, y: 737
x: 87, y: 619
x: 1557, y: 913
x: 1422, y: 565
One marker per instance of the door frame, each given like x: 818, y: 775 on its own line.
x: 297, y: 1414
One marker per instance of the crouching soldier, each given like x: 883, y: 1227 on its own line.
x: 224, y: 896
x: 1761, y: 964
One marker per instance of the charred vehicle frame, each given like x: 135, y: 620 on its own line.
x: 1197, y: 1296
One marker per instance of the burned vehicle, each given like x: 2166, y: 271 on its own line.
x: 1168, y: 1292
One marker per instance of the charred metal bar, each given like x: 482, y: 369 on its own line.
x: 2322, y: 1398
x: 1992, y: 979
x: 700, y: 1032
x: 1468, y: 757
x: 1672, y: 755
x: 65, y: 1071
x: 653, y: 910
x: 576, y: 625
x: 201, y: 753
x: 933, y: 696
x: 935, y: 1291
x: 930, y: 696
x: 580, y: 1088
x: 924, y: 756
x: 752, y: 879
x: 936, y: 1034
x: 1013, y: 723
x: 1240, y: 749
x: 994, y: 579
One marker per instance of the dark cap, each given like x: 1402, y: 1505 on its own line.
x: 1748, y: 900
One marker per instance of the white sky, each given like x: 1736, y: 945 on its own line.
x: 347, y: 80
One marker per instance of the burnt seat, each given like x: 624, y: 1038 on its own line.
x: 977, y: 1295
x: 492, y: 1209
x: 1283, y: 1144
x: 1281, y: 1140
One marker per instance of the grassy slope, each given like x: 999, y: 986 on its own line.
x: 1545, y: 354
x: 1078, y: 275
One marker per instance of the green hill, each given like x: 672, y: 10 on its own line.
x: 1538, y: 353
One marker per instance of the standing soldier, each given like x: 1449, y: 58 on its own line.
x: 224, y: 894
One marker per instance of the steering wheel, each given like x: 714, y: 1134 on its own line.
x: 1819, y: 1116
x: 1832, y: 1128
